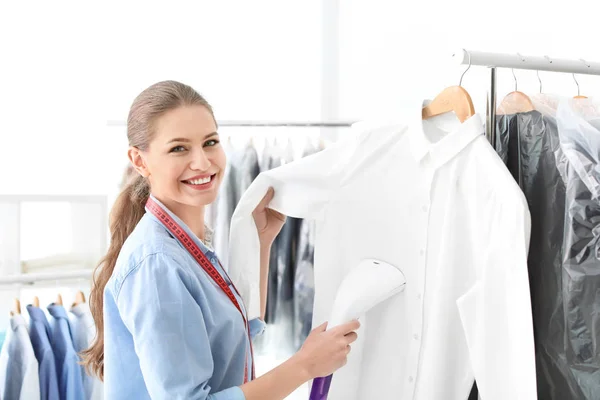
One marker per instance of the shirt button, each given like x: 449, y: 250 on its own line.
x: 422, y: 252
x: 425, y: 208
x: 416, y: 337
x: 411, y: 379
x: 212, y: 260
x: 419, y: 296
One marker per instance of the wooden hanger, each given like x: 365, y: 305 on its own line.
x: 79, y: 299
x: 58, y: 300
x: 36, y: 301
x: 515, y: 102
x: 16, y: 308
x: 453, y: 98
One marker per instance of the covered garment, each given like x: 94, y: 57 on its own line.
x: 19, y: 377
x: 580, y: 143
x: 170, y: 332
x: 434, y: 199
x: 553, y: 155
x: 68, y: 370
x: 529, y: 145
x: 40, y: 334
x: 84, y: 332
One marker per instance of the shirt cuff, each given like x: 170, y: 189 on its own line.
x: 233, y: 393
x: 257, y: 327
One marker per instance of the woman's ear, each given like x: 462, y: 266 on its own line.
x: 137, y: 161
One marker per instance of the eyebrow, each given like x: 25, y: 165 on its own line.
x: 188, y: 140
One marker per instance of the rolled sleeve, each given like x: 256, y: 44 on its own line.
x: 169, y: 332
x: 257, y: 327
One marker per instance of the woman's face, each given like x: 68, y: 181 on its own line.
x: 185, y: 162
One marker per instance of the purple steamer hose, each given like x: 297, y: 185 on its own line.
x: 320, y: 388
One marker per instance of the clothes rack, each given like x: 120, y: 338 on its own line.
x: 271, y: 124
x: 46, y: 276
x: 518, y: 61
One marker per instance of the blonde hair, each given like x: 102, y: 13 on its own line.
x: 129, y: 206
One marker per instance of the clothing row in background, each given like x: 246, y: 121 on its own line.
x: 40, y: 358
x: 291, y: 281
x: 551, y: 146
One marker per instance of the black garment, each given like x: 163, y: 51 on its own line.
x: 529, y: 144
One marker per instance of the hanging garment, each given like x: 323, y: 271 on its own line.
x: 84, y: 332
x: 272, y: 158
x: 242, y: 170
x: 68, y: 370
x: 528, y: 143
x: 580, y: 143
x: 434, y: 198
x: 280, y: 333
x: 40, y: 333
x: 170, y: 331
x: 19, y: 377
x: 304, y: 281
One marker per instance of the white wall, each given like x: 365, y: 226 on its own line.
x: 393, y: 50
x: 68, y: 69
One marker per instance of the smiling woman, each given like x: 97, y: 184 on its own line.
x: 171, y: 324
x: 183, y: 163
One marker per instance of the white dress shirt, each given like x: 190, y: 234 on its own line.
x: 19, y: 377
x: 434, y: 199
x: 84, y: 332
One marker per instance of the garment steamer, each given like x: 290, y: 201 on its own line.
x: 365, y: 286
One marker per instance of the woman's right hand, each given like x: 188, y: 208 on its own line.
x: 325, y: 351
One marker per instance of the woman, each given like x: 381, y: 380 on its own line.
x: 171, y: 324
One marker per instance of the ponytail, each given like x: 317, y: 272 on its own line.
x: 127, y: 211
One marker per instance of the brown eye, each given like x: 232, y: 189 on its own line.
x: 177, y: 149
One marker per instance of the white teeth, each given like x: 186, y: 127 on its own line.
x: 200, y: 181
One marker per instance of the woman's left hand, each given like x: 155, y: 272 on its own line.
x: 268, y: 221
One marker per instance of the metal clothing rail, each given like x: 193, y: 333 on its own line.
x: 46, y: 276
x: 251, y: 123
x: 518, y: 61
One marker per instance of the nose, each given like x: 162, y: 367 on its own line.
x: 200, y: 161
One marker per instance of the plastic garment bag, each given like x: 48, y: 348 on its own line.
x: 527, y: 143
x: 532, y: 145
x: 579, y: 134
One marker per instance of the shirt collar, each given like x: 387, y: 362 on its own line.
x: 16, y: 321
x: 57, y: 311
x: 207, y: 231
x: 458, y: 135
x: 81, y: 309
x: 36, y: 314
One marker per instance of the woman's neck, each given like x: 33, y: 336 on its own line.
x: 192, y: 216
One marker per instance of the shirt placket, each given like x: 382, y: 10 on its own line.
x: 414, y: 352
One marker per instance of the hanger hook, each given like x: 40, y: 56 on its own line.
x: 463, y: 74
x: 577, y: 83
x: 515, y: 78
x: 539, y: 79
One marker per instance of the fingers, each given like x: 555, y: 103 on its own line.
x: 321, y: 328
x: 346, y: 328
x: 266, y: 199
x: 351, y: 337
x: 277, y: 215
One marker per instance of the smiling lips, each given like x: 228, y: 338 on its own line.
x: 201, y: 182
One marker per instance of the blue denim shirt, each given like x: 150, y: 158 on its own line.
x: 170, y: 332
x: 68, y: 370
x: 39, y: 331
